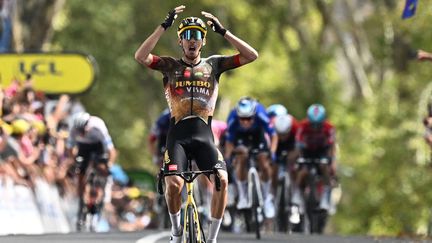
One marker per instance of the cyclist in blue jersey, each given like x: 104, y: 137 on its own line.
x: 158, y: 135
x: 249, y: 129
x: 191, y: 86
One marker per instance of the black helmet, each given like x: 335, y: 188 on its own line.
x: 192, y: 23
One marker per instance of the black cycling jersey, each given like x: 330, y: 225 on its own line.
x: 253, y: 139
x: 192, y: 90
x: 191, y: 139
x: 91, y: 152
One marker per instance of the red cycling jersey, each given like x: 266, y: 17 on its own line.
x: 315, y: 138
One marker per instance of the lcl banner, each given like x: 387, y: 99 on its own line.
x: 53, y: 73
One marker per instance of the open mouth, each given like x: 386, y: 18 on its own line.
x: 192, y: 48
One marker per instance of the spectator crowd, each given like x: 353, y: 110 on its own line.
x: 34, y: 127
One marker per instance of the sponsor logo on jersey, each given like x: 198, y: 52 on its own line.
x: 199, y: 74
x: 172, y: 167
x: 220, y: 157
x: 166, y: 157
x: 194, y: 83
x: 187, y: 73
x: 198, y: 90
x: 218, y: 166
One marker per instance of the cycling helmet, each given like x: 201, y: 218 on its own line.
x: 246, y: 107
x: 276, y: 110
x: 283, y: 123
x: 316, y: 113
x: 20, y: 126
x: 192, y: 23
x: 40, y: 127
x: 79, y: 120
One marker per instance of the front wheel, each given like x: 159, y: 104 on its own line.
x: 255, y: 206
x: 192, y: 237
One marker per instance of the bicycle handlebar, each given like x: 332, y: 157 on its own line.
x: 189, y: 177
x: 303, y: 160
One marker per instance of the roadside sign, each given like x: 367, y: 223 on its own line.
x: 53, y: 73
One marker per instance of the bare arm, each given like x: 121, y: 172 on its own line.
x: 112, y: 156
x: 229, y: 147
x: 424, y: 56
x: 143, y: 55
x: 247, y: 52
x: 274, y: 143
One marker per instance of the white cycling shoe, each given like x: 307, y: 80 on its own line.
x: 295, y: 215
x: 176, y: 238
x: 269, y: 208
x: 242, y: 203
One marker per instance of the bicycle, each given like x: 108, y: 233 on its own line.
x: 315, y: 218
x: 283, y: 196
x: 254, y: 210
x: 92, y: 196
x: 192, y: 227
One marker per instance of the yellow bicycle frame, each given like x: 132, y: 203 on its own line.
x: 191, y: 201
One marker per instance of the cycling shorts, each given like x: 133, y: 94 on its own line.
x: 322, y: 153
x: 191, y: 138
x: 90, y: 152
x: 253, y: 140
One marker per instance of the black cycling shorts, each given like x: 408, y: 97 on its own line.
x: 322, y: 153
x: 90, y: 152
x: 253, y: 140
x: 191, y: 139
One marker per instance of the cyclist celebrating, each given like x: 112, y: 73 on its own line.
x: 191, y: 89
x: 316, y: 140
x: 90, y: 136
x: 249, y: 129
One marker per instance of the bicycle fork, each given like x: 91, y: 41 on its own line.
x: 253, y: 177
x: 190, y: 202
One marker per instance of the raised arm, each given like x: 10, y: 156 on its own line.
x: 247, y: 52
x: 424, y: 56
x: 143, y: 55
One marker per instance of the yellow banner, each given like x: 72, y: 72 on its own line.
x: 57, y: 73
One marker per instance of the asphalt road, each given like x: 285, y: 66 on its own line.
x: 162, y: 236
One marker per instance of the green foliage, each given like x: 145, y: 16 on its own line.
x: 302, y: 61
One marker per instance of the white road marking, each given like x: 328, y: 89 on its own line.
x: 154, y: 237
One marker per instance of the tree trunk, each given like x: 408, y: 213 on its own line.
x: 32, y: 23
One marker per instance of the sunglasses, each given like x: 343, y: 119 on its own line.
x: 191, y: 33
x: 245, y: 118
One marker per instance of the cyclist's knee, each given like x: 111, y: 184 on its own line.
x: 223, y: 178
x: 174, y: 185
x: 263, y: 161
x: 241, y: 152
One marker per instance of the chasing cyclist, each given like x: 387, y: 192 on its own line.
x: 158, y: 135
x: 286, y: 127
x: 89, y: 141
x: 249, y: 129
x: 316, y: 140
x: 276, y: 110
x: 191, y: 89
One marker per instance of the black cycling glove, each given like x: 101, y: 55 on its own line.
x: 169, y: 19
x: 217, y: 27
